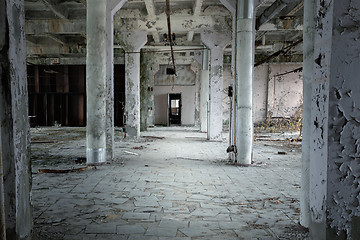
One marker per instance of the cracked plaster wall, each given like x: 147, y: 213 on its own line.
x: 280, y: 95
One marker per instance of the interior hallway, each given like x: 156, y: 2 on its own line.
x: 170, y: 184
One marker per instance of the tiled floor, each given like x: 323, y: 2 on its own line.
x: 170, y: 184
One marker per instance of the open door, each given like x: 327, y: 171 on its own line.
x: 174, y: 111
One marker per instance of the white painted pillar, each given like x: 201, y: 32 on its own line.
x: 231, y: 6
x: 132, y: 42
x: 14, y: 127
x: 308, y: 72
x: 96, y: 82
x: 245, y: 74
x: 112, y: 6
x: 204, y: 91
x: 335, y: 116
x: 109, y: 84
x: 216, y: 42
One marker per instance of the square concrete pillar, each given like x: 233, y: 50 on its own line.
x: 112, y: 6
x: 335, y: 117
x: 216, y: 42
x: 132, y: 42
x: 15, y: 205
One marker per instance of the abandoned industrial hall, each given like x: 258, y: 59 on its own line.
x: 180, y: 119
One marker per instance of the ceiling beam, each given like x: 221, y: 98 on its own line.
x: 190, y: 36
x: 57, y: 38
x: 296, y: 9
x: 59, y: 10
x: 197, y: 7
x: 150, y: 8
x: 271, y: 12
x: 40, y: 27
x: 180, y: 23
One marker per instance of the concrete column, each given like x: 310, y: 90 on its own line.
x: 109, y: 84
x: 14, y: 127
x: 245, y: 74
x: 112, y: 6
x: 308, y: 71
x: 132, y: 42
x: 231, y: 6
x: 204, y: 91
x: 335, y: 116
x: 148, y: 67
x: 96, y: 82
x: 216, y: 42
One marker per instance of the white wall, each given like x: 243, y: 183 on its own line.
x: 188, y: 103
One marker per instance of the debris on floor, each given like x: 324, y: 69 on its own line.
x: 46, y: 170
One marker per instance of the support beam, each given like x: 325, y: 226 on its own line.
x: 132, y: 43
x: 150, y: 8
x: 14, y: 127
x: 112, y: 6
x: 244, y: 76
x: 231, y: 6
x: 216, y: 42
x: 271, y: 12
x: 197, y: 7
x: 57, y: 38
x: 308, y: 72
x: 204, y: 91
x: 335, y: 117
x: 96, y: 82
x: 58, y: 9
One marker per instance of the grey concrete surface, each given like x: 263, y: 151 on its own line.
x: 170, y: 184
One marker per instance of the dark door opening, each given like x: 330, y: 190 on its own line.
x: 175, y: 109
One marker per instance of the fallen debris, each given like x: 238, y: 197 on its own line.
x: 282, y: 153
x: 45, y: 170
x: 139, y: 148
x: 80, y: 160
x: 153, y: 137
x: 131, y: 153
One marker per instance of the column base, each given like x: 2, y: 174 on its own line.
x: 95, y: 156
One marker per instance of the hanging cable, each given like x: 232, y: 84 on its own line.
x: 169, y: 33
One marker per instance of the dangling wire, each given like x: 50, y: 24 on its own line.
x: 169, y: 33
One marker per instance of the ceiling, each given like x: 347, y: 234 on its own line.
x: 57, y: 28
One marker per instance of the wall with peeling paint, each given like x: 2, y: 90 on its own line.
x: 343, y: 189
x: 284, y: 92
x: 277, y: 96
x: 185, y: 76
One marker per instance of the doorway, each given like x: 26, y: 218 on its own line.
x: 174, y: 109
